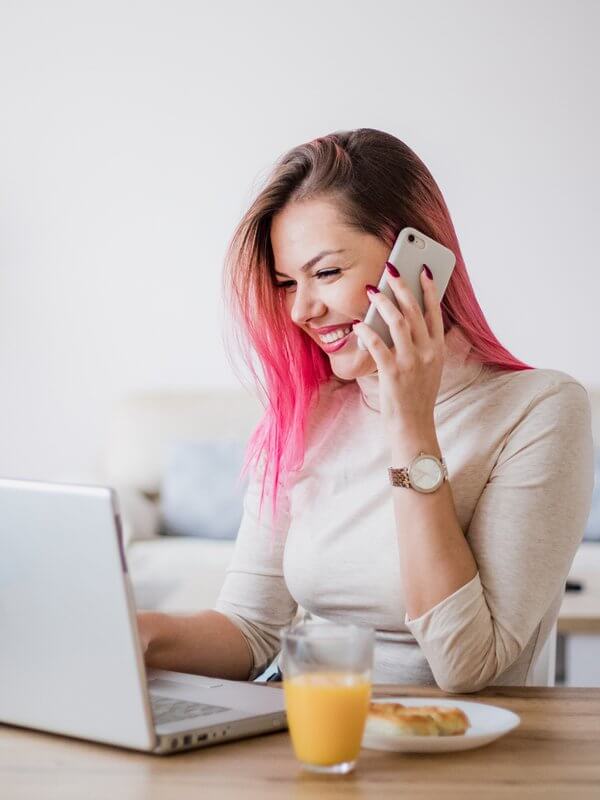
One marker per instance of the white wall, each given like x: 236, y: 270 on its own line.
x: 133, y: 134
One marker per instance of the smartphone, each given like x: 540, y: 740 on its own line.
x: 411, y: 250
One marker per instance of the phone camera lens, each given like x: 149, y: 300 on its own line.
x: 411, y: 238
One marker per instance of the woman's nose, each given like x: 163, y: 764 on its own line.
x: 306, y: 306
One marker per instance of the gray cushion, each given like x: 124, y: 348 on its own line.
x: 592, y: 531
x: 200, y: 494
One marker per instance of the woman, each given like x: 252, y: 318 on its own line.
x: 463, y: 584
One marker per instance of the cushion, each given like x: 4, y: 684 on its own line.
x: 201, y: 494
x: 592, y: 531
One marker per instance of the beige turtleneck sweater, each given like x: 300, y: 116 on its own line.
x: 518, y: 446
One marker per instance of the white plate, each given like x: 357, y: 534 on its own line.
x: 487, y: 723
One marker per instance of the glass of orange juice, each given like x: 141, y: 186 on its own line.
x: 327, y: 685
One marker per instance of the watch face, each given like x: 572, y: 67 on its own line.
x: 425, y: 473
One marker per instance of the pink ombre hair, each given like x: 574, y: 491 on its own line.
x: 379, y: 186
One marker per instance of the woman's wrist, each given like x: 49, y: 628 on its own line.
x: 151, y: 625
x: 406, y: 443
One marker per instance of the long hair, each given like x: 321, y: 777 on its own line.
x: 380, y: 186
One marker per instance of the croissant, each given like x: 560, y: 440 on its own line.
x: 395, y: 719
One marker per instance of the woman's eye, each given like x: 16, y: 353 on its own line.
x: 327, y: 272
x: 323, y: 274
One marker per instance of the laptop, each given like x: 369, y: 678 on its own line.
x: 70, y: 656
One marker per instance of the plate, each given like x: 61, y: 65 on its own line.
x: 487, y: 724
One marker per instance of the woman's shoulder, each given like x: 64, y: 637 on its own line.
x: 545, y: 418
x: 548, y: 391
x: 534, y: 381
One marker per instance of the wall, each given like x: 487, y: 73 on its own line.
x: 133, y: 135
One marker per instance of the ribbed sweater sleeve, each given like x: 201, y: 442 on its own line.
x: 524, y: 532
x: 254, y: 595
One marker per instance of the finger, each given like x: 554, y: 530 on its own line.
x: 381, y: 354
x: 409, y: 307
x: 397, y: 323
x: 433, y: 309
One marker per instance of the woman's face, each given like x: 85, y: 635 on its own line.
x: 331, y: 291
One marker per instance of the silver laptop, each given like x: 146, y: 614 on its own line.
x: 70, y: 657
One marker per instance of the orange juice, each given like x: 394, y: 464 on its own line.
x: 326, y: 715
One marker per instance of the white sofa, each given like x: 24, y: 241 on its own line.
x: 170, y: 573
x: 182, y: 573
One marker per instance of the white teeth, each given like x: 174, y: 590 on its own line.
x: 328, y: 338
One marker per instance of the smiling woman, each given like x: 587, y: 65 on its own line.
x: 473, y: 569
x: 435, y: 490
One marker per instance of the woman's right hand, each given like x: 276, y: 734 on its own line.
x: 146, y: 621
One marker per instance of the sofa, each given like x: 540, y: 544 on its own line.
x: 170, y: 573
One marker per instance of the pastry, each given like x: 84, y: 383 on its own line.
x: 395, y: 719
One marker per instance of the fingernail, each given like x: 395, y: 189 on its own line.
x: 392, y: 269
x: 370, y: 288
x: 427, y: 271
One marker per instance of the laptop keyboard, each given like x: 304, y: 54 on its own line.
x: 172, y: 709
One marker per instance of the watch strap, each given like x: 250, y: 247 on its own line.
x: 399, y: 477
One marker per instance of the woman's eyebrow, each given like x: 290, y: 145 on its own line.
x: 313, y: 261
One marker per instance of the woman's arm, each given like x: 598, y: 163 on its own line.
x: 254, y: 596
x: 474, y: 601
x: 206, y: 643
x: 239, y: 637
x: 435, y: 559
x: 525, y: 529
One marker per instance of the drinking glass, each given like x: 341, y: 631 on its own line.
x: 327, y: 684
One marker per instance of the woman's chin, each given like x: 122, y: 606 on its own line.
x: 352, y: 364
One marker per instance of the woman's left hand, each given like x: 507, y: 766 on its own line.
x: 411, y: 371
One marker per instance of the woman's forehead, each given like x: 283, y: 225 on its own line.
x: 306, y: 230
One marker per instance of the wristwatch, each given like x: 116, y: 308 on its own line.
x: 425, y: 474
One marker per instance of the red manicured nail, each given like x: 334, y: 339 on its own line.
x: 392, y: 269
x: 370, y: 288
x: 428, y: 272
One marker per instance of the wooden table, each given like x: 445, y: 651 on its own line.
x: 555, y: 753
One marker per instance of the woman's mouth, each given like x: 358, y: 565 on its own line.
x: 333, y: 346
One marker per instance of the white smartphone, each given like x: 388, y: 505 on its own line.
x: 411, y: 250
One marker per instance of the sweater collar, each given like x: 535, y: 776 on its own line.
x: 459, y: 370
